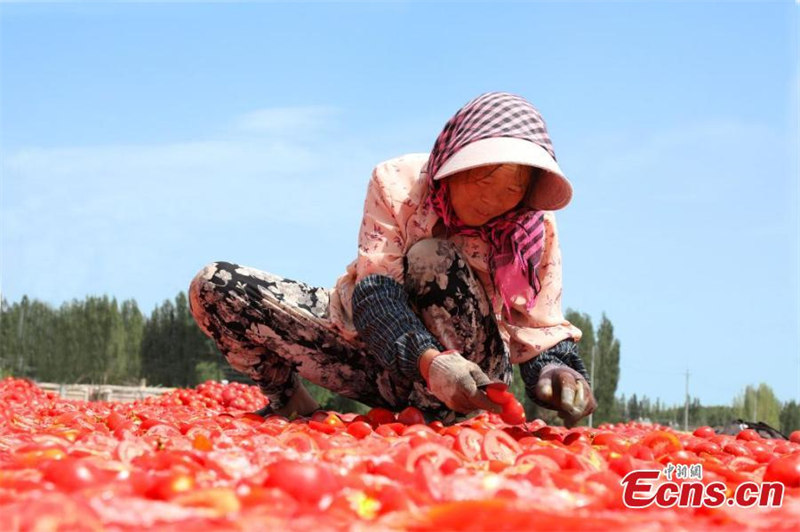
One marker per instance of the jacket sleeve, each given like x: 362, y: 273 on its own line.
x: 532, y: 332
x: 394, y: 334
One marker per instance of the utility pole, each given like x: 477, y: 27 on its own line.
x: 594, y: 385
x: 686, y: 404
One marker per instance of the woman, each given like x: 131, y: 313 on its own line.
x: 458, y: 276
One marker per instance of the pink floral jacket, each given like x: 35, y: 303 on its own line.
x: 396, y: 217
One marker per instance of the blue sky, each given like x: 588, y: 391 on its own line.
x: 143, y: 141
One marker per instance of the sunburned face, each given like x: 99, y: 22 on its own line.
x: 482, y: 193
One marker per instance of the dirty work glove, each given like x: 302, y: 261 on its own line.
x: 565, y: 390
x: 455, y: 381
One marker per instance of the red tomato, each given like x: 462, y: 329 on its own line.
x: 322, y: 427
x: 794, y: 437
x: 707, y: 447
x: 436, y: 425
x: 319, y: 416
x: 704, y: 432
x: 441, y: 458
x: 497, y: 445
x: 300, y: 441
x: 419, y: 430
x: 611, y: 440
x: 785, y: 469
x: 574, y: 436
x: 736, y: 449
x: 386, y: 430
x: 468, y: 442
x: 549, y: 433
x: 379, y: 416
x: 498, y: 393
x: 411, y: 416
x: 513, y: 413
x: 334, y: 421
x: 748, y: 435
x: 168, y: 485
x: 662, y: 442
x: 305, y: 482
x: 70, y: 474
x: 359, y: 429
x: 541, y: 459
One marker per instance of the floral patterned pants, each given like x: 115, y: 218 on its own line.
x: 274, y: 329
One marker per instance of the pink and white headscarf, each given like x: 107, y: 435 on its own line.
x: 516, y: 238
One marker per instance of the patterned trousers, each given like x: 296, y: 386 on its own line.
x: 273, y: 329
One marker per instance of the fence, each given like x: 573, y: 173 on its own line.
x: 102, y: 392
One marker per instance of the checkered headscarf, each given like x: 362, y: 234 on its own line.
x: 516, y: 238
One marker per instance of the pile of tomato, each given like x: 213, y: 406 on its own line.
x: 197, y: 459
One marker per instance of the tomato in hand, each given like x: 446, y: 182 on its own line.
x: 513, y: 413
x: 498, y: 393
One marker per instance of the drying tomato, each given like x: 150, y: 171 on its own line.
x: 379, y: 416
x: 304, y: 481
x: 497, y: 445
x: 704, y: 432
x: 411, y: 416
x: 662, y: 442
x: 359, y: 429
x: 441, y: 458
x: 785, y: 469
x: 748, y: 435
x: 469, y: 443
x: 70, y: 473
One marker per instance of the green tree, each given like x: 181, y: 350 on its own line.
x: 133, y: 324
x: 607, y: 372
x: 634, y: 412
x: 758, y: 404
x: 790, y: 417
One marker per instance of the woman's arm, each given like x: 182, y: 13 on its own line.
x: 394, y: 334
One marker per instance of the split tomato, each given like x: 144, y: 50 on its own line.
x: 513, y: 412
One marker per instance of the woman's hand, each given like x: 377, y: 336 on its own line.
x: 567, y: 391
x: 456, y: 381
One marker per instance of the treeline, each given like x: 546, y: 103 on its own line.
x: 753, y: 404
x: 98, y: 341
x: 101, y: 341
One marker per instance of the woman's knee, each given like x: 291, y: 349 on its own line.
x: 207, y: 280
x: 432, y: 253
x: 429, y: 259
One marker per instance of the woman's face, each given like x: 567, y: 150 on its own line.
x: 482, y: 193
